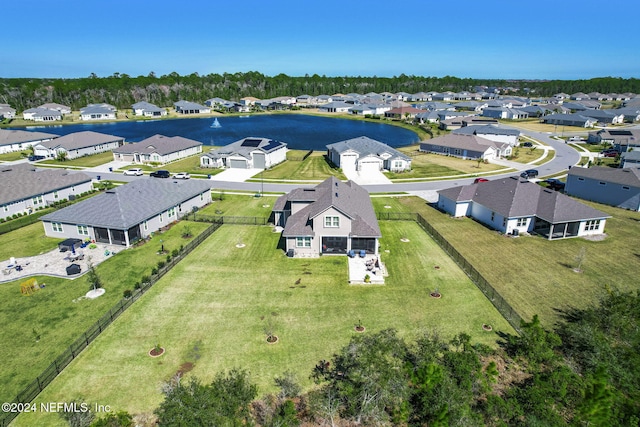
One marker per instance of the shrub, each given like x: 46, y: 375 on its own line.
x: 154, y: 271
x: 168, y: 258
x: 175, y: 252
x: 137, y: 285
x: 127, y: 293
x: 161, y: 264
x: 145, y: 279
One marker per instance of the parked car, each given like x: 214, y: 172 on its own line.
x: 35, y: 158
x: 181, y: 175
x: 477, y: 180
x: 555, y: 184
x: 134, y: 172
x: 527, y: 144
x: 609, y: 153
x: 160, y: 174
x: 529, y: 173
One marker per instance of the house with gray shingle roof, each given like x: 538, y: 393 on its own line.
x: 133, y: 211
x: 78, y: 144
x: 615, y: 187
x: 40, y: 114
x: 147, y: 109
x: 492, y: 133
x: 26, y: 189
x: 335, y: 107
x: 98, y: 112
x: 64, y: 109
x: 630, y: 159
x: 569, y: 120
x: 331, y: 218
x: 362, y: 154
x: 188, y: 107
x: 247, y: 153
x: 514, y: 206
x: 466, y: 147
x: 6, y: 112
x: 158, y: 149
x: 17, y: 140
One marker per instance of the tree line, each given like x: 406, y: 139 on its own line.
x: 123, y: 90
x: 585, y: 372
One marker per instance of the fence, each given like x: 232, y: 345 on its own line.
x: 223, y: 219
x: 51, y: 372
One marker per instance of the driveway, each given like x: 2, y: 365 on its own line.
x: 365, y: 178
x: 236, y: 175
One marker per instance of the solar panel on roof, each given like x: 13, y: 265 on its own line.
x: 620, y: 132
x: 271, y: 145
x: 251, y: 143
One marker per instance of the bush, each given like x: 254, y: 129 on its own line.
x: 154, y: 271
x: 175, y: 252
x: 145, y: 279
x: 161, y: 264
x: 137, y: 285
x: 168, y: 258
x: 127, y: 293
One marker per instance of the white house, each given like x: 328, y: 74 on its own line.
x: 187, y: 107
x: 97, y: 112
x: 247, y: 153
x: 492, y: 133
x: 40, y: 114
x: 363, y: 154
x: 466, y: 147
x: 158, y: 149
x: 146, y: 109
x: 18, y: 140
x: 78, y: 144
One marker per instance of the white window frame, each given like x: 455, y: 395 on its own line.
x: 83, y: 230
x: 331, y: 221
x: 592, y: 224
x: 521, y: 222
x: 303, y: 242
x: 57, y: 227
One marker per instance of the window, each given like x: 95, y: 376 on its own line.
x: 332, y: 221
x: 303, y: 242
x: 83, y: 230
x: 602, y: 183
x: 625, y: 187
x: 145, y: 225
x: 593, y: 224
x: 397, y: 164
x: 160, y: 216
x: 6, y: 208
x: 57, y: 227
x: 55, y: 194
x: 493, y: 216
x: 37, y: 200
x: 580, y: 179
x: 171, y: 212
x: 522, y: 222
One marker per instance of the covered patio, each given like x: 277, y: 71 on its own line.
x: 560, y: 230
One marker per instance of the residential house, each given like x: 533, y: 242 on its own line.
x: 579, y: 96
x: 248, y: 101
x: 621, y: 139
x: 26, y: 189
x: 215, y: 102
x: 615, y: 187
x: 466, y: 147
x: 40, y: 114
x: 505, y: 113
x: 605, y: 116
x: 403, y: 112
x: 492, y: 133
x: 188, y: 107
x: 147, y: 109
x: 247, y: 153
x: 514, y: 206
x: 133, y: 211
x: 630, y: 159
x: 6, y: 112
x: 78, y: 144
x: 328, y: 219
x: 63, y: 109
x: 582, y: 105
x: 97, y: 112
x: 363, y: 154
x: 569, y: 120
x: 158, y: 149
x: 18, y: 140
x: 324, y: 99
x: 335, y: 107
x: 370, y: 109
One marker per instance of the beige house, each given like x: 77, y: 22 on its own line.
x: 158, y: 149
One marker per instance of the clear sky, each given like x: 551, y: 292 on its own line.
x: 539, y: 39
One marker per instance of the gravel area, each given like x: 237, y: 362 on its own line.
x: 55, y: 263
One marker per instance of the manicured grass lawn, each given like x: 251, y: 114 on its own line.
x: 594, y: 148
x: 533, y: 274
x: 314, y: 167
x: 526, y: 154
x: 26, y: 241
x: 15, y: 155
x: 536, y: 126
x: 190, y: 165
x: 52, y: 313
x: 212, y: 310
x: 85, y: 161
x: 239, y: 205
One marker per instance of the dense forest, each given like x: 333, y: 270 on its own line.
x: 586, y: 372
x: 123, y: 90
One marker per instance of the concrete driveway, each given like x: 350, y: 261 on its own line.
x: 365, y: 178
x: 236, y: 175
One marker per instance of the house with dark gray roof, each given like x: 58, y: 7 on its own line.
x: 26, y: 189
x: 98, y: 112
x: 335, y: 107
x: 188, y: 107
x: 331, y: 218
x: 492, y: 133
x: 78, y: 144
x: 147, y: 109
x: 6, y: 112
x: 609, y: 186
x: 247, y: 153
x: 569, y: 120
x: 514, y: 206
x: 17, y: 140
x: 466, y: 147
x: 630, y: 159
x: 158, y: 149
x: 40, y: 114
x: 64, y: 109
x: 364, y: 154
x: 133, y: 211
x: 621, y: 139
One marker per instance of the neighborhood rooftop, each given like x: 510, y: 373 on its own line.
x: 626, y: 176
x: 79, y: 140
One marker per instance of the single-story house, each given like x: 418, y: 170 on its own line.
x: 363, y: 154
x: 569, y: 120
x: 630, y: 159
x: 491, y: 132
x: 505, y: 113
x: 330, y: 218
x: 403, y: 112
x: 78, y: 144
x: 247, y: 153
x: 158, y: 149
x: 25, y: 189
x: 605, y: 116
x: 615, y: 187
x: 40, y: 114
x: 216, y: 102
x: 97, y: 112
x: 466, y: 147
x: 6, y: 112
x: 514, y: 206
x: 64, y: 109
x: 147, y: 109
x: 621, y: 139
x: 335, y: 107
x: 371, y: 109
x: 17, y: 140
x: 187, y: 107
x: 133, y: 211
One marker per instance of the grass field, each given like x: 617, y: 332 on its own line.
x: 314, y: 167
x: 85, y: 161
x: 26, y: 241
x: 14, y: 155
x: 239, y: 205
x: 52, y: 312
x: 190, y: 165
x: 213, y: 308
x: 536, y: 126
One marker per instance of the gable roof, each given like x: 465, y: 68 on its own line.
x: 8, y: 137
x: 23, y: 181
x: 366, y: 146
x: 245, y: 146
x: 515, y: 198
x: 130, y: 204
x: 465, y: 142
x: 625, y: 176
x: 79, y: 140
x: 349, y: 198
x: 486, y: 130
x: 159, y: 144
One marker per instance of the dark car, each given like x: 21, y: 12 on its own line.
x: 609, y: 153
x: 35, y: 158
x: 527, y: 144
x: 529, y: 173
x: 160, y: 174
x: 555, y: 184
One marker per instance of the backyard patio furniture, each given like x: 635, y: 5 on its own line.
x: 352, y: 253
x: 69, y: 244
x: 363, y: 253
x: 73, y: 269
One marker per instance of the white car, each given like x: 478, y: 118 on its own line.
x: 134, y: 172
x: 181, y: 175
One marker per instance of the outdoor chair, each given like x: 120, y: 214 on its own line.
x: 363, y: 253
x: 352, y: 253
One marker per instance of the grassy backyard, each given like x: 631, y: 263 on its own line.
x: 211, y: 311
x: 314, y: 167
x: 26, y: 241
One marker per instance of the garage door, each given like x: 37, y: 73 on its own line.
x: 259, y: 161
x: 348, y: 161
x: 369, y: 167
x: 238, y: 164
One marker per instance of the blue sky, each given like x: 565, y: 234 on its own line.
x: 543, y: 39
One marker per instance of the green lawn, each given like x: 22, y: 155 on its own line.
x: 533, y: 274
x: 314, y: 167
x: 239, y: 205
x: 212, y: 310
x: 190, y: 165
x: 26, y: 241
x: 14, y: 155
x: 85, y: 161
x: 52, y: 311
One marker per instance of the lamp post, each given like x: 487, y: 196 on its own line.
x: 161, y: 246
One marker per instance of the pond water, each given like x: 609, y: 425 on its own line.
x: 297, y: 130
